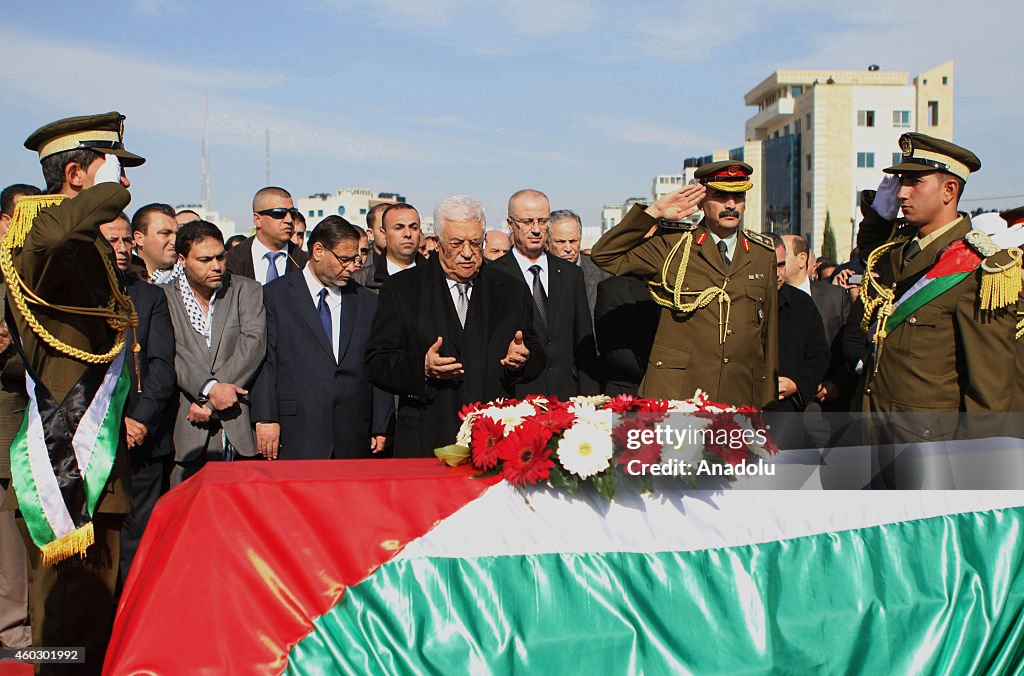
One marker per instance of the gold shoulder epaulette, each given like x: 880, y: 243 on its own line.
x: 25, y: 212
x: 760, y: 238
x: 1000, y: 272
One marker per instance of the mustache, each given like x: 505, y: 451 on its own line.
x: 729, y: 212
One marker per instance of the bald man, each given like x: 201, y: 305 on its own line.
x: 496, y: 244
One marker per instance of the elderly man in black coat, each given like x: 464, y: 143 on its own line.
x: 450, y: 333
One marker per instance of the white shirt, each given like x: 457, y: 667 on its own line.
x: 394, y: 268
x: 453, y: 289
x: 730, y: 242
x: 525, y: 264
x: 260, y: 265
x: 333, y: 304
x: 805, y: 286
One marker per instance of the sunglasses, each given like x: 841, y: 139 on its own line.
x: 279, y: 212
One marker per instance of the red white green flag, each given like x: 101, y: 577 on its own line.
x: 410, y: 567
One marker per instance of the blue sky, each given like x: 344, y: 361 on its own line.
x: 586, y: 100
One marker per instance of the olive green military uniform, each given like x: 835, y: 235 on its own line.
x: 946, y: 356
x: 955, y: 353
x: 689, y: 352
x: 62, y: 261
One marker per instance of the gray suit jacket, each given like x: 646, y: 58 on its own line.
x: 238, y: 346
x: 592, y: 276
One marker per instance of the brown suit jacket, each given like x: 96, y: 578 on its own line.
x: 687, y: 354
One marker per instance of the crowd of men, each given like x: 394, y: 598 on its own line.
x: 337, y: 343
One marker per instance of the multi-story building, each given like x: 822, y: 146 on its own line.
x: 350, y: 203
x: 820, y: 137
x: 664, y: 184
x: 226, y: 225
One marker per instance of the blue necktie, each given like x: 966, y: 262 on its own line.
x: 325, y: 314
x: 272, y: 273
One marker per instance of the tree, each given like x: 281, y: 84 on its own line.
x: 828, y: 240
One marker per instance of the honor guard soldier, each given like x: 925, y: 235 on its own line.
x: 938, y: 303
x: 715, y: 283
x: 71, y: 321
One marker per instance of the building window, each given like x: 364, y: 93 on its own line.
x: 797, y: 90
x: 901, y: 118
x: 796, y: 126
x: 809, y: 165
x: 776, y: 134
x: 319, y: 212
x: 808, y: 200
x: 341, y: 209
x: 785, y: 130
x: 809, y: 122
x: 312, y: 213
x: 362, y: 212
x: 933, y: 113
x: 865, y: 118
x: 865, y: 160
x: 945, y: 80
x: 897, y: 158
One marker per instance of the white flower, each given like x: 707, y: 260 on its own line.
x: 465, y: 434
x: 586, y: 411
x: 687, y: 442
x: 595, y: 400
x: 511, y: 416
x: 585, y: 450
x: 680, y: 406
x: 750, y: 434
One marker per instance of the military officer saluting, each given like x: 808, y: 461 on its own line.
x: 939, y: 303
x: 71, y: 322
x: 715, y: 283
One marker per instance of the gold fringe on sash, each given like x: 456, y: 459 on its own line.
x: 75, y: 542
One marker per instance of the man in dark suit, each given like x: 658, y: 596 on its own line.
x: 833, y: 303
x: 311, y: 398
x: 269, y: 253
x: 450, y: 333
x: 400, y: 224
x: 625, y: 321
x: 564, y: 234
x: 561, y: 314
x: 148, y: 418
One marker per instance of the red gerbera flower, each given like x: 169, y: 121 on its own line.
x: 526, y: 457
x: 652, y: 406
x: 485, y: 437
x: 557, y: 420
x: 467, y: 409
x: 627, y: 434
x: 621, y: 403
x: 727, y: 439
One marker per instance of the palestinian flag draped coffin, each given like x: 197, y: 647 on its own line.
x: 411, y: 567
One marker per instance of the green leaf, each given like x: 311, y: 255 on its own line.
x: 605, y: 484
x: 453, y: 455
x: 559, y: 479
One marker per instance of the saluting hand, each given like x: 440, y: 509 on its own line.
x: 518, y: 354
x: 438, y: 367
x: 678, y: 204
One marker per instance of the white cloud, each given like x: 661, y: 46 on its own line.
x: 156, y: 7
x: 531, y: 18
x: 634, y: 130
x: 168, y: 99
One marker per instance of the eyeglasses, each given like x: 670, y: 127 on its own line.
x: 459, y: 244
x: 528, y: 222
x: 279, y: 213
x: 346, y: 260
